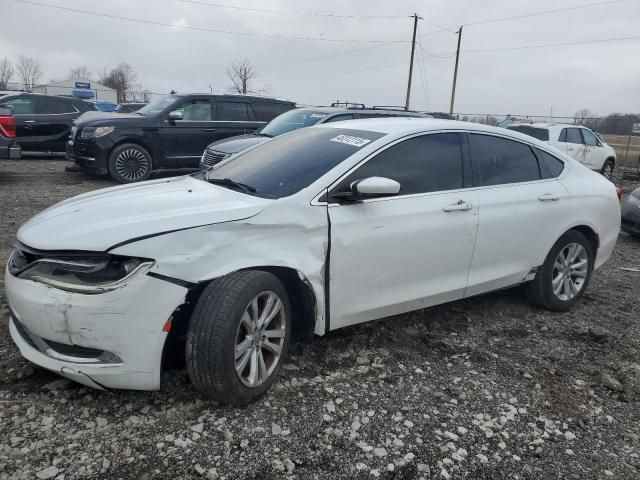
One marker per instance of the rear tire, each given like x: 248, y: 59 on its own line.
x: 607, y: 169
x: 232, y: 357
x: 129, y: 163
x: 564, y: 276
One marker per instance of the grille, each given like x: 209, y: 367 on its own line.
x: 211, y: 157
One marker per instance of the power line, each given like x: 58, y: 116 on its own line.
x: 288, y: 12
x: 526, y: 47
x: 202, y: 29
x: 527, y: 15
x: 544, y: 12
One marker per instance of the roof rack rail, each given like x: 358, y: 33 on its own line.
x: 391, y: 107
x: 353, y: 105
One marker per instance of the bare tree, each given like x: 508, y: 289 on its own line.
x: 121, y: 78
x: 582, y: 115
x: 79, y: 72
x: 6, y: 72
x: 242, y: 74
x: 29, y: 70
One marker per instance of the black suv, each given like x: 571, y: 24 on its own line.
x: 293, y: 120
x: 167, y: 134
x: 43, y: 122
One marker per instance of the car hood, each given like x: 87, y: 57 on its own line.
x: 237, y: 144
x: 102, y: 119
x: 97, y: 221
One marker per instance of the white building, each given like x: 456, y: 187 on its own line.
x: 79, y: 87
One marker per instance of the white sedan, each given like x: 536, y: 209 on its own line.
x: 317, y: 229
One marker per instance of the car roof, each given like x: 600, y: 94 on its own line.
x: 380, y: 111
x: 400, y: 126
x: 234, y: 95
x: 546, y: 125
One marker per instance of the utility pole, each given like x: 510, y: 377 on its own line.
x: 455, y: 72
x: 413, y: 49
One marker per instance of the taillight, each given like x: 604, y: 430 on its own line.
x: 619, y: 193
x: 8, y: 126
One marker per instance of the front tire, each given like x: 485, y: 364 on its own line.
x: 129, y: 163
x: 565, y: 274
x: 607, y: 169
x: 238, y: 336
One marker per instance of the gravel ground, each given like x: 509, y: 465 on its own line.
x: 485, y: 388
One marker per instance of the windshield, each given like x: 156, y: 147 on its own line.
x: 287, y: 164
x: 291, y: 120
x: 158, y: 106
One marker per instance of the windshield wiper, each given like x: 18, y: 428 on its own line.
x: 227, y: 182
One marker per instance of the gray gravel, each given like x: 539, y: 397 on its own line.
x: 485, y: 388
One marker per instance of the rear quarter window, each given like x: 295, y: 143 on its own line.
x: 550, y: 166
x: 539, y: 133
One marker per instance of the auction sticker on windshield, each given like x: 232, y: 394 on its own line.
x: 350, y: 140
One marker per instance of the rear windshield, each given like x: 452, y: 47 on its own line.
x: 287, y: 164
x: 292, y: 120
x: 539, y: 133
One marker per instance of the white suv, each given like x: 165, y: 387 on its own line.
x: 575, y: 140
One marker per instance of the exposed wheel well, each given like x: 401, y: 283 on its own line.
x: 301, y: 296
x: 610, y: 159
x: 592, y: 236
x: 135, y: 142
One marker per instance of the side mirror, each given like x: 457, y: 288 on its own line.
x: 371, y: 187
x: 175, y: 115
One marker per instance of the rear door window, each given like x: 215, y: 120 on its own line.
x: 54, y: 106
x: 563, y: 135
x: 232, y: 111
x: 501, y: 161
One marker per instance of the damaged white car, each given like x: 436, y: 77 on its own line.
x: 315, y: 230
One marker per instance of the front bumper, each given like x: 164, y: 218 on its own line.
x: 630, y: 218
x: 90, y: 154
x: 112, y: 340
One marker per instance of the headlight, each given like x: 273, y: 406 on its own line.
x: 96, y: 132
x: 90, y: 275
x: 632, y: 200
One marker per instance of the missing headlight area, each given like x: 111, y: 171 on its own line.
x: 79, y: 272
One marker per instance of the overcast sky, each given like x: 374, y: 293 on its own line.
x: 603, y: 77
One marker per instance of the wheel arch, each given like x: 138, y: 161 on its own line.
x: 136, y: 141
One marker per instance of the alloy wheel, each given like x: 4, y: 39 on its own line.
x: 608, y: 171
x: 132, y: 164
x: 570, y: 271
x: 260, y: 339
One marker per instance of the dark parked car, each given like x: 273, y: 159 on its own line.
x: 43, y: 122
x: 129, y: 107
x: 631, y: 214
x: 167, y: 134
x: 8, y: 146
x: 293, y: 120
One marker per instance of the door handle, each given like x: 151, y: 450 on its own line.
x: 549, y: 197
x: 459, y: 206
x: 209, y: 130
x: 29, y: 121
x: 571, y: 149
